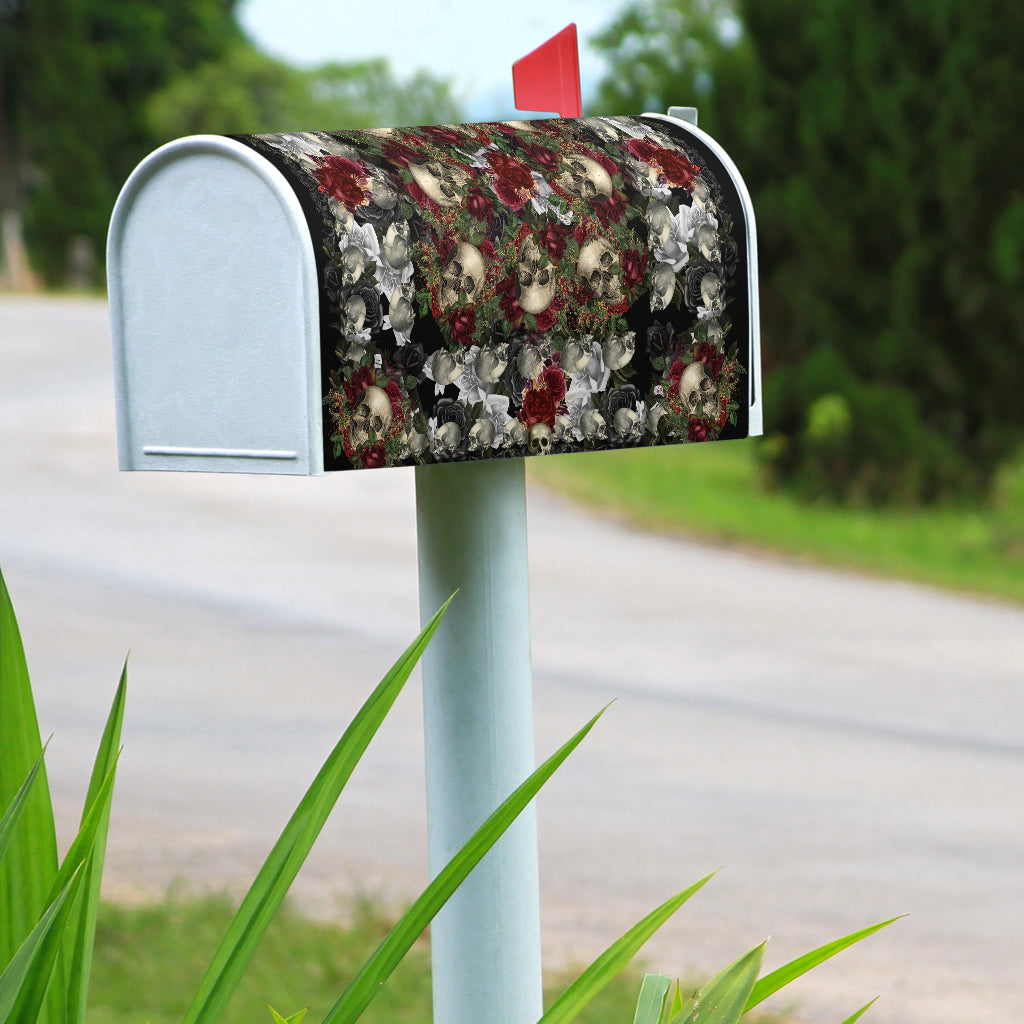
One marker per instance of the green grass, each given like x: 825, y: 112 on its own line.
x: 715, y: 492
x: 149, y: 959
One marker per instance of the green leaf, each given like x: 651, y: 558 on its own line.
x: 82, y: 927
x: 30, y: 865
x: 295, y: 1018
x: 860, y: 1013
x: 24, y: 980
x: 771, y: 983
x: 282, y: 864
x: 569, y: 1004
x: 367, y: 982
x: 676, y: 1005
x: 723, y: 999
x: 13, y: 812
x: 651, y: 1001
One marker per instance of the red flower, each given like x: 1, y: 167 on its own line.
x: 612, y: 208
x: 634, y: 266
x: 552, y: 379
x: 710, y: 357
x: 344, y: 180
x: 539, y: 406
x: 508, y: 302
x: 642, y: 149
x: 698, y: 430
x: 400, y: 153
x: 678, y: 368
x: 445, y: 136
x: 553, y: 239
x: 374, y: 456
x: 463, y: 324
x: 541, y: 156
x: 394, y: 392
x: 478, y: 206
x: 361, y: 379
x: 513, y: 181
x: 678, y: 170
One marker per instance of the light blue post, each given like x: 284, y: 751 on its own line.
x: 478, y: 721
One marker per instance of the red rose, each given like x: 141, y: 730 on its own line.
x: 678, y: 170
x: 510, y: 170
x: 710, y: 357
x: 478, y: 206
x: 542, y: 156
x: 610, y: 209
x: 539, y: 406
x: 399, y: 153
x: 394, y: 392
x: 445, y: 136
x: 698, y: 430
x: 508, y: 302
x: 642, y: 149
x: 374, y: 456
x: 634, y: 266
x: 552, y: 379
x: 342, y: 179
x: 678, y: 368
x: 463, y: 324
x: 553, y: 239
x: 361, y: 379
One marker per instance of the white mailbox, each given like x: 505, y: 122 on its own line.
x: 333, y: 300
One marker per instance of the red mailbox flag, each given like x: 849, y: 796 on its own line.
x: 549, y: 77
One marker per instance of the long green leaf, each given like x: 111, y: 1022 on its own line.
x: 651, y: 1001
x: 82, y: 927
x: 723, y: 999
x: 295, y: 1018
x: 771, y: 983
x: 13, y: 812
x: 21, y: 992
x: 367, y: 982
x: 569, y: 1004
x: 282, y: 864
x: 28, y: 870
x: 853, y: 1018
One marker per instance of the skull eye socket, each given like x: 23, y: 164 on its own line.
x: 543, y: 277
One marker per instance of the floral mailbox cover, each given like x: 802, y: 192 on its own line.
x: 522, y: 288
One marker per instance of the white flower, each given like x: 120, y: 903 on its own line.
x: 594, y: 376
x: 471, y: 388
x: 577, y: 402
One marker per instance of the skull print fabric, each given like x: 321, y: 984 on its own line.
x: 522, y: 288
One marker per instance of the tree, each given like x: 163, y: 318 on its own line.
x: 875, y: 138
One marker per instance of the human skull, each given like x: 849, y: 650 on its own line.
x: 396, y: 244
x: 618, y: 350
x: 416, y: 442
x: 540, y: 439
x: 481, y: 435
x: 698, y: 392
x: 440, y: 181
x: 593, y: 426
x: 712, y: 293
x: 707, y: 242
x: 577, y: 354
x: 655, y: 415
x: 584, y: 178
x: 447, y: 367
x: 535, y: 278
x: 529, y: 362
x: 601, y: 128
x: 373, y: 413
x: 491, y: 362
x: 344, y: 221
x: 664, y: 287
x: 627, y: 424
x: 562, y: 424
x: 401, y: 310
x: 701, y: 196
x: 515, y: 435
x: 598, y: 265
x: 659, y: 224
x: 353, y: 316
x: 464, y: 272
x: 446, y: 440
x: 352, y: 263
x: 382, y: 192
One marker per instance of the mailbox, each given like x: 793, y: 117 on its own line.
x: 295, y: 303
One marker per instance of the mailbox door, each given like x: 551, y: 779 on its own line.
x: 214, y: 315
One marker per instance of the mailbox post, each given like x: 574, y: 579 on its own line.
x: 453, y: 298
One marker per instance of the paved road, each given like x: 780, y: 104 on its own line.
x: 845, y: 749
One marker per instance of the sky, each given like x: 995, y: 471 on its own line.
x: 471, y: 42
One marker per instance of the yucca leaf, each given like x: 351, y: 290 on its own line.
x: 82, y: 927
x: 860, y: 1013
x: 23, y: 982
x: 723, y: 999
x: 771, y: 983
x: 282, y: 864
x: 28, y: 870
x: 367, y: 982
x: 568, y: 1005
x: 13, y: 812
x: 651, y: 1002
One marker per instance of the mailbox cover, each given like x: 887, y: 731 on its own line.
x: 500, y: 290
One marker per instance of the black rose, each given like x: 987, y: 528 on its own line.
x: 409, y: 360
x: 333, y: 283
x: 660, y: 340
x: 730, y: 253
x: 625, y: 397
x: 374, y: 316
x: 694, y: 275
x: 450, y: 410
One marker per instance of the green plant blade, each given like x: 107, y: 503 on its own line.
x: 23, y: 982
x: 860, y: 1013
x: 28, y: 870
x: 723, y: 999
x: 295, y: 1018
x: 82, y: 926
x: 13, y: 812
x: 282, y: 864
x: 367, y: 982
x: 676, y: 1005
x: 568, y: 1005
x: 651, y: 1002
x: 771, y: 983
